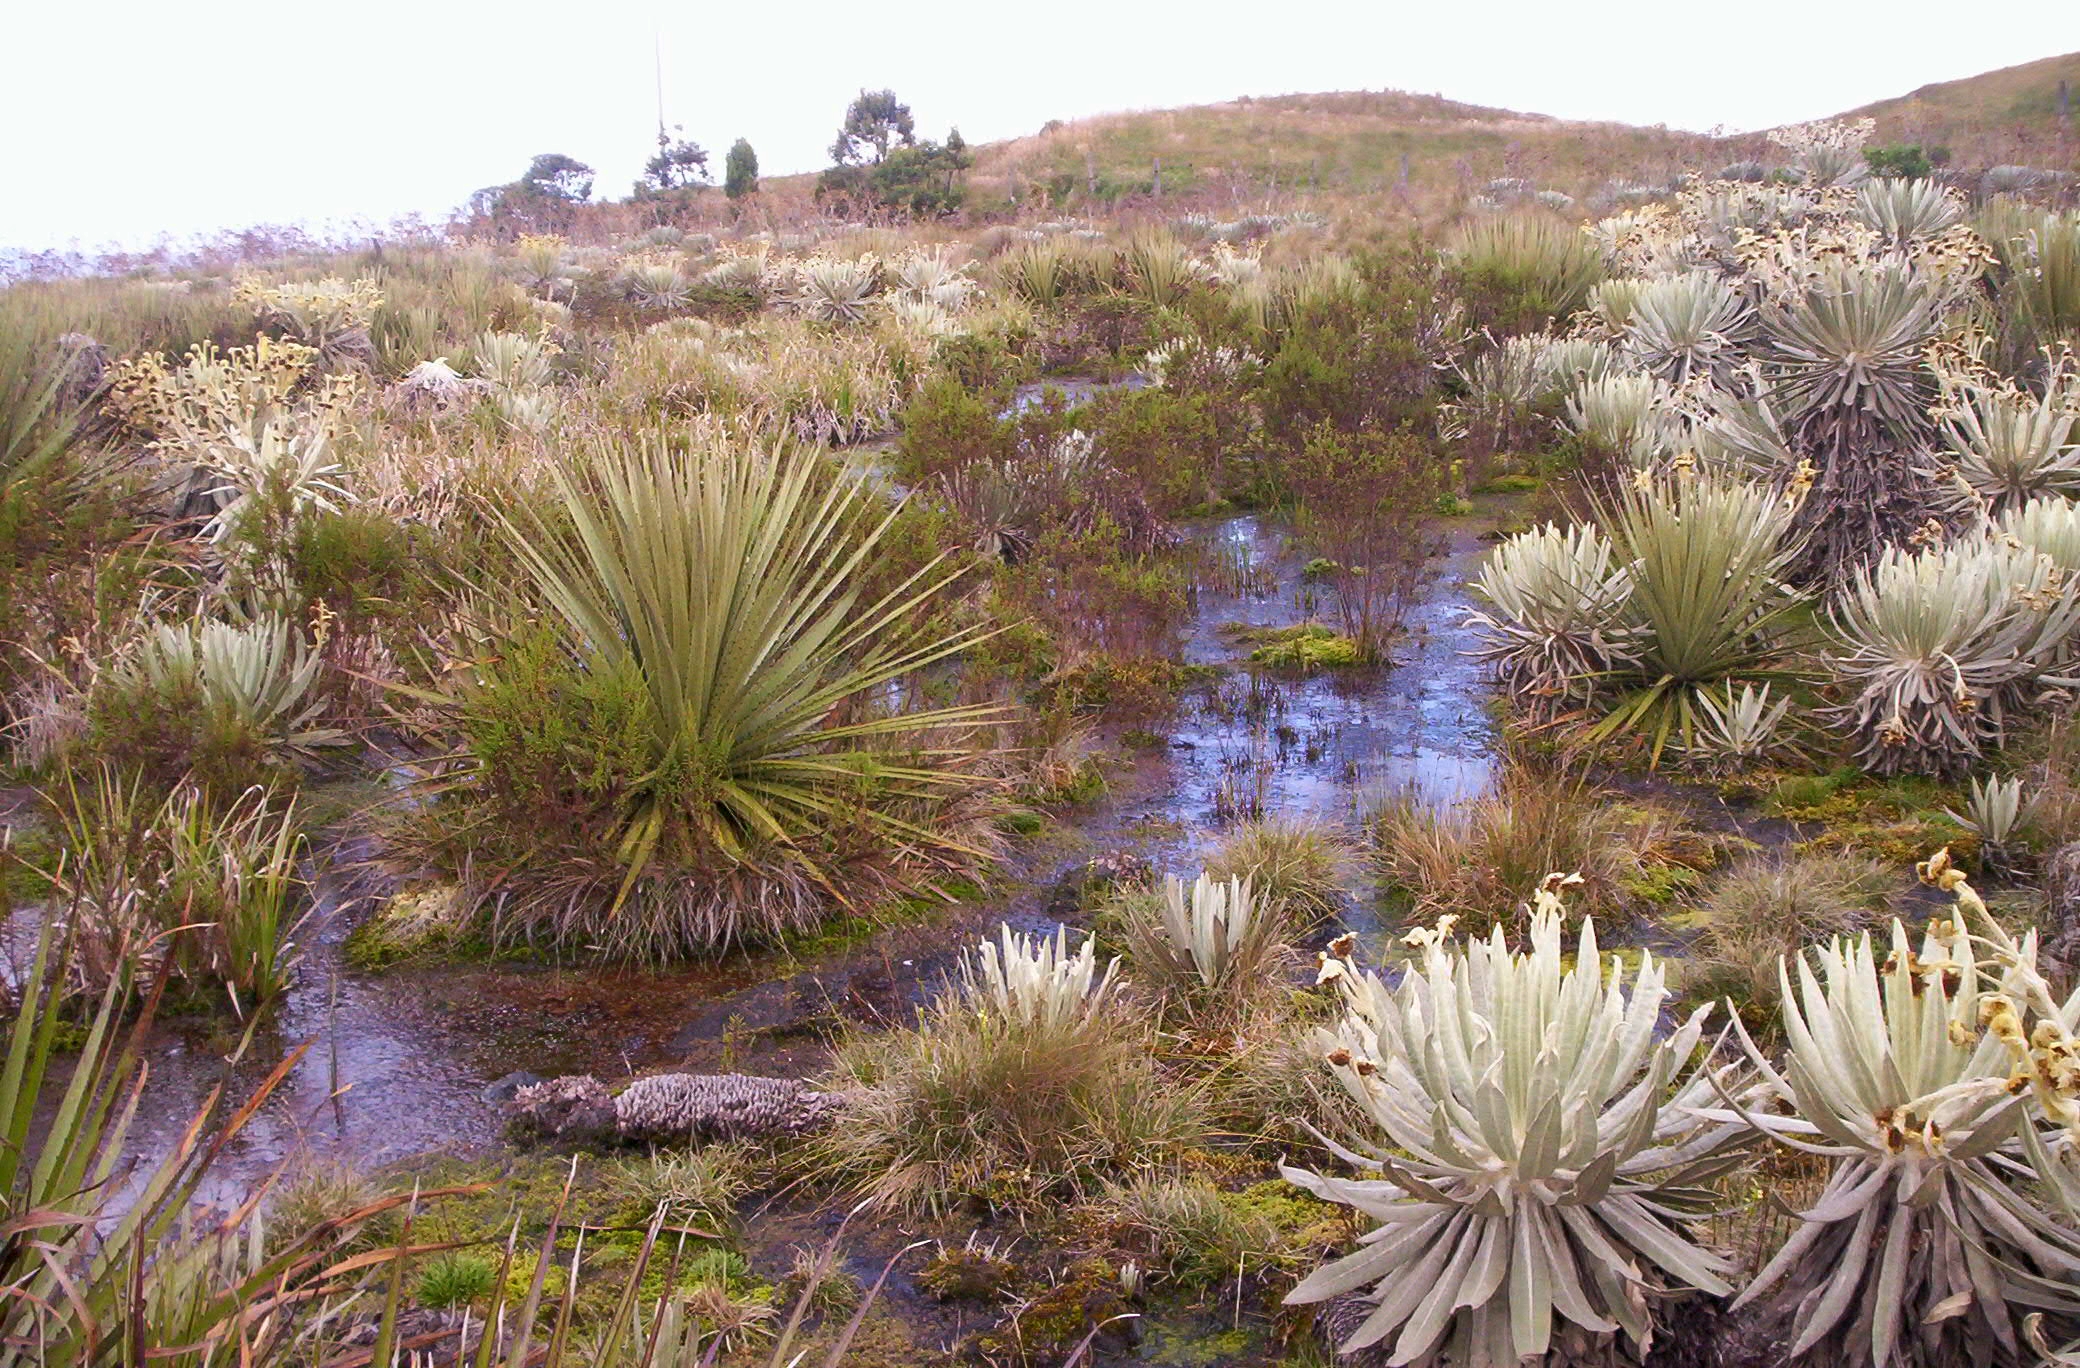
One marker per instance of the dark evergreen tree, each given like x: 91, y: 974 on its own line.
x: 740, y: 171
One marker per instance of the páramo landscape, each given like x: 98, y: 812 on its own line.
x: 1337, y: 729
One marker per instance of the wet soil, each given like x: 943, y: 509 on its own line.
x: 399, y: 1060
x: 403, y: 1062
x: 1075, y: 390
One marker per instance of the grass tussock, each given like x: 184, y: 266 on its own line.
x: 1762, y: 912
x: 1005, y: 1096
x: 1273, y: 1091
x: 315, y: 1192
x: 1482, y: 860
x: 1195, y: 1233
x: 1294, y: 863
x: 692, y: 1187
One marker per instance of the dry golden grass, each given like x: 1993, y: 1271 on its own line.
x: 1335, y: 145
x: 1337, y: 152
x: 2005, y: 116
x: 1342, y: 153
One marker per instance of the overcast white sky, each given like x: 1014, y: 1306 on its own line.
x: 123, y: 120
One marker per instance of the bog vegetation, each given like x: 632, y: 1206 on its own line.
x: 596, y: 595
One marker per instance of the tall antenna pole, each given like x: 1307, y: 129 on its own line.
x: 657, y: 57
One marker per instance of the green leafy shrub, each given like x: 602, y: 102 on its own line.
x: 1364, y: 505
x: 985, y: 363
x: 360, y: 564
x: 1362, y: 355
x: 1900, y: 161
x: 68, y: 569
x: 947, y: 426
x: 1097, y: 594
x: 1168, y: 445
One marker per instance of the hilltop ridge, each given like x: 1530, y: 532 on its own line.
x: 1429, y: 147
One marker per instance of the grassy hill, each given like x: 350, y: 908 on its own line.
x: 2009, y: 115
x: 1428, y: 153
x: 1423, y: 150
x: 1385, y: 142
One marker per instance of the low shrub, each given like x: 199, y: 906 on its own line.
x: 361, y: 564
x: 1168, y: 445
x: 67, y: 568
x: 1095, y: 592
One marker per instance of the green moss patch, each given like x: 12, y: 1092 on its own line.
x: 1899, y: 820
x: 1308, y: 646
